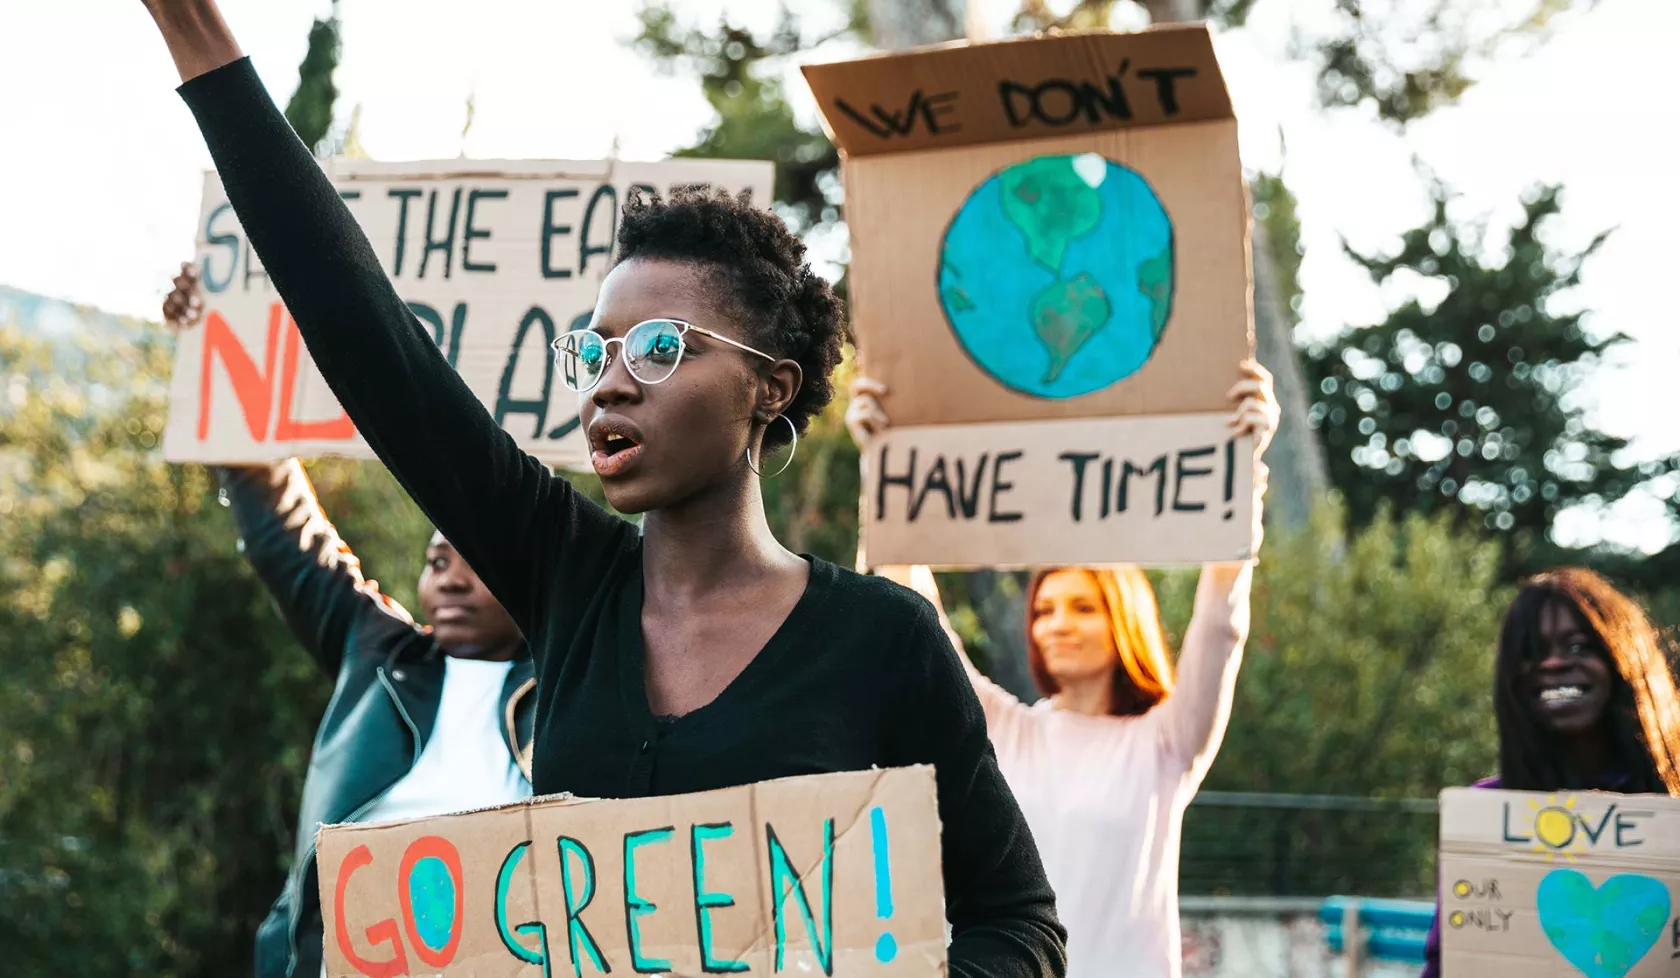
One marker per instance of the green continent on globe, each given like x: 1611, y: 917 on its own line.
x: 1065, y: 315
x: 1051, y: 205
x: 1155, y: 282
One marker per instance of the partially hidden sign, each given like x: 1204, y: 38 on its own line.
x: 1559, y: 883
x: 494, y: 258
x: 1049, y: 236
x: 835, y: 874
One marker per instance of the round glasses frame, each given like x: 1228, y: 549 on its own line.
x: 576, y: 337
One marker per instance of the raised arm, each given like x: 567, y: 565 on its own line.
x: 999, y: 902
x: 1194, y: 717
x: 500, y: 508
x: 314, y: 578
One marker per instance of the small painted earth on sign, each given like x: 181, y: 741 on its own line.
x: 1056, y: 274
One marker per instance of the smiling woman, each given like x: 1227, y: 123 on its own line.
x: 1584, y: 697
x: 699, y: 653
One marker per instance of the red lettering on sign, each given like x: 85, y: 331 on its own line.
x: 287, y: 428
x: 440, y: 849
x: 384, y: 932
x: 253, y: 388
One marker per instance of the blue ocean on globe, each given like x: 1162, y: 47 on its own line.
x: 1056, y: 274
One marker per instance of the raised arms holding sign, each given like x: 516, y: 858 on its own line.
x: 1106, y: 763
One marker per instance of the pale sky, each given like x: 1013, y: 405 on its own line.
x: 100, y: 164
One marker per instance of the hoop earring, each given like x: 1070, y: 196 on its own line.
x: 793, y: 447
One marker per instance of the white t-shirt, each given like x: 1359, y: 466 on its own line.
x: 466, y: 763
x: 1105, y: 796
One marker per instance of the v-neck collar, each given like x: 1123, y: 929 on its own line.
x: 632, y: 655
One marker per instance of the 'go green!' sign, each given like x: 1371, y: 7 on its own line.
x: 834, y: 874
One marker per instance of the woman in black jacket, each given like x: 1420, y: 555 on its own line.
x: 697, y: 653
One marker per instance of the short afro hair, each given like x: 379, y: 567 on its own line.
x: 760, y: 269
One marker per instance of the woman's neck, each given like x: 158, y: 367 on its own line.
x: 1588, y: 755
x: 1093, y: 696
x: 718, y: 540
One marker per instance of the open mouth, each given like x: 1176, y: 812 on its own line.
x: 614, y: 444
x: 1561, y: 695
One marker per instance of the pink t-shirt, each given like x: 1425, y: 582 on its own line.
x: 1105, y: 796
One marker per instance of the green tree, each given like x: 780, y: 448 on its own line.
x: 1367, y: 672
x: 1472, y: 403
x: 155, y: 714
x: 310, y: 110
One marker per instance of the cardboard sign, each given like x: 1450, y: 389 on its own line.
x: 1554, y: 884
x: 1046, y: 230
x: 835, y: 874
x: 495, y: 259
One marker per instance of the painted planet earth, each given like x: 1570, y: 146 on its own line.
x: 1056, y: 274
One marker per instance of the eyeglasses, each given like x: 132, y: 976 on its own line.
x: 652, y: 350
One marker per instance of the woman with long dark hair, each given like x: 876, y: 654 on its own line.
x: 1105, y: 764
x: 696, y: 653
x: 1584, y: 697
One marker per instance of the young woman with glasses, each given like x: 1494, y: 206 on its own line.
x: 697, y: 653
x: 1105, y: 764
x: 1584, y: 698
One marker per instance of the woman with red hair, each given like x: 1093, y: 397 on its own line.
x: 1105, y: 764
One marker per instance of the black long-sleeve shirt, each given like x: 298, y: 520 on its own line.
x: 859, y: 674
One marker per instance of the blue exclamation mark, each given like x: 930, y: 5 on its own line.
x: 886, y: 948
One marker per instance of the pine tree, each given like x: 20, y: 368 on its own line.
x: 310, y: 110
x: 1472, y: 401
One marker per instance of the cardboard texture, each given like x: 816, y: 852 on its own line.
x: 1046, y: 230
x: 496, y: 259
x: 833, y: 874
x: 989, y: 495
x: 1549, y: 884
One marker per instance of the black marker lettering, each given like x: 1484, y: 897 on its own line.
x: 999, y: 487
x: 469, y: 232
x: 1623, y: 824
x: 403, y: 197
x: 447, y: 243
x: 551, y: 229
x: 888, y: 123
x: 907, y: 480
x: 1079, y: 460
x: 585, y: 250
x: 1593, y: 834
x: 1127, y: 470
x: 935, y: 106
x: 223, y: 240
x: 253, y: 269
x: 936, y: 478
x: 1166, y: 91
x: 1507, y: 828
x: 1107, y: 488
x: 505, y: 402
x: 1181, y: 473
x: 968, y: 491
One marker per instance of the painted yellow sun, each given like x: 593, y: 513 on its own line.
x: 1554, y: 826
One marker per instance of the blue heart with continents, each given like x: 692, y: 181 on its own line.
x: 1603, y: 931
